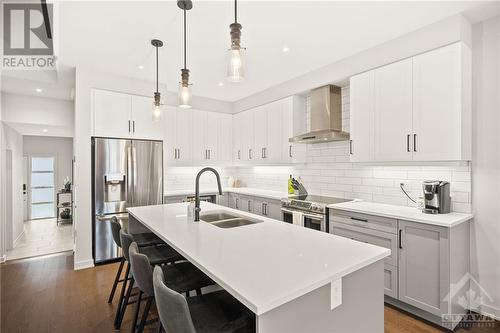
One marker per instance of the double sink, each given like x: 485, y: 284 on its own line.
x: 223, y: 219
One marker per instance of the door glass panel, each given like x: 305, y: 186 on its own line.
x: 42, y: 188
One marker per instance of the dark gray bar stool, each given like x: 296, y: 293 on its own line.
x: 158, y: 255
x: 143, y: 239
x: 216, y: 312
x: 181, y: 277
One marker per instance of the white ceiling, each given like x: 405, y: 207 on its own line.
x: 114, y: 36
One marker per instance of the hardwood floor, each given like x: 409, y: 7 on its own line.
x: 43, y: 295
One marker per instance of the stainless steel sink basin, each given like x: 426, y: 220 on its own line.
x: 217, y: 216
x: 233, y: 223
x: 223, y: 219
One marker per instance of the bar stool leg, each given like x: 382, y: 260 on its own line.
x: 122, y: 293
x: 136, y: 313
x: 117, y: 279
x: 119, y: 320
x: 145, y: 315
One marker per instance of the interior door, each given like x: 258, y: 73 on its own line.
x: 25, y: 187
x: 147, y: 173
x: 393, y: 112
x: 143, y: 125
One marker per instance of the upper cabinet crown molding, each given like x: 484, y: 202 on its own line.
x: 417, y: 109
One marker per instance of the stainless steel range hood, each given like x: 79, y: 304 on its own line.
x: 326, y: 117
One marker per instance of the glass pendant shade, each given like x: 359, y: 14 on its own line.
x: 157, y: 107
x: 236, y: 64
x: 184, y: 96
x: 156, y: 112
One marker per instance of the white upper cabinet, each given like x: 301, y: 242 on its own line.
x: 247, y: 136
x: 143, y: 125
x: 225, y: 138
x: 178, y: 135
x: 237, y: 140
x: 119, y: 115
x: 442, y: 104
x: 261, y: 125
x: 361, y: 117
x: 293, y: 123
x: 421, y: 109
x: 199, y: 147
x: 273, y: 149
x: 112, y: 113
x: 393, y: 111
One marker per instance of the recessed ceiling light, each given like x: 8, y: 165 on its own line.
x: 221, y: 84
x: 285, y: 49
x: 140, y: 67
x: 38, y: 90
x: 45, y: 130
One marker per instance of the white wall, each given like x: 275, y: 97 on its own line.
x: 485, y: 231
x: 13, y: 141
x: 61, y: 148
x: 32, y: 113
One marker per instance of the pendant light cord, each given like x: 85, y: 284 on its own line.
x: 235, y: 11
x: 184, y: 38
x: 156, y: 68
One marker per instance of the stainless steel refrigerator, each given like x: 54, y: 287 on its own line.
x: 127, y: 173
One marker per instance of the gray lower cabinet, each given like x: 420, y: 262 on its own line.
x: 424, y: 266
x: 425, y: 262
x: 257, y: 205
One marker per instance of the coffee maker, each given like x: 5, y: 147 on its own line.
x: 437, y: 198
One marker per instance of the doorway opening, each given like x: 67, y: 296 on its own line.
x: 42, y: 194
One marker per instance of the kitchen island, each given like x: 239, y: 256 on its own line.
x: 294, y: 279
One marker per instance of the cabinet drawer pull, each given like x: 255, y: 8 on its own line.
x: 133, y: 126
x: 129, y: 126
x: 358, y: 219
x: 290, y: 151
x: 237, y: 201
x: 400, y: 240
x: 239, y: 154
x: 408, y: 143
x: 414, y: 142
x: 350, y: 147
x: 175, y: 153
x: 249, y: 154
x: 178, y: 153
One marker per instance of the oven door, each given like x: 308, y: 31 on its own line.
x: 314, y: 221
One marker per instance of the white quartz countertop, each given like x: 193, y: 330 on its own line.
x: 263, y: 265
x: 269, y: 194
x: 402, y: 212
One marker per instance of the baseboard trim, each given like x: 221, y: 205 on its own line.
x: 489, y: 311
x: 83, y: 264
x: 17, y: 239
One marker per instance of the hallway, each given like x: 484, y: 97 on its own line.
x: 42, y: 237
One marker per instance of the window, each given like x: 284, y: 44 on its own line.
x: 42, y: 187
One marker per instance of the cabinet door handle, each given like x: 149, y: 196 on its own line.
x: 179, y: 153
x: 414, y: 142
x: 237, y: 201
x: 408, y: 143
x: 133, y: 126
x: 239, y: 154
x: 129, y: 126
x: 350, y: 147
x: 262, y: 153
x: 175, y: 153
x: 248, y: 203
x: 358, y: 219
x: 210, y: 154
x: 400, y: 238
x: 249, y: 154
x: 290, y: 151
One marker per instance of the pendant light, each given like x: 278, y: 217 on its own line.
x: 157, y: 97
x: 236, y: 61
x: 184, y: 90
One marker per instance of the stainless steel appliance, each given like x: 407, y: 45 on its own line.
x: 436, y: 197
x: 127, y: 173
x: 311, y: 211
x: 326, y: 117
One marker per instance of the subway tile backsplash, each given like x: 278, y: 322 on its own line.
x: 329, y: 172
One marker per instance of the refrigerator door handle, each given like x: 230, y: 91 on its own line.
x: 134, y: 166
x: 129, y: 175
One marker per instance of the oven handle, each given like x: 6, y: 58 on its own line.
x: 314, y: 216
x: 286, y: 210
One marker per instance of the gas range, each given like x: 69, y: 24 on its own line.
x: 310, y: 203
